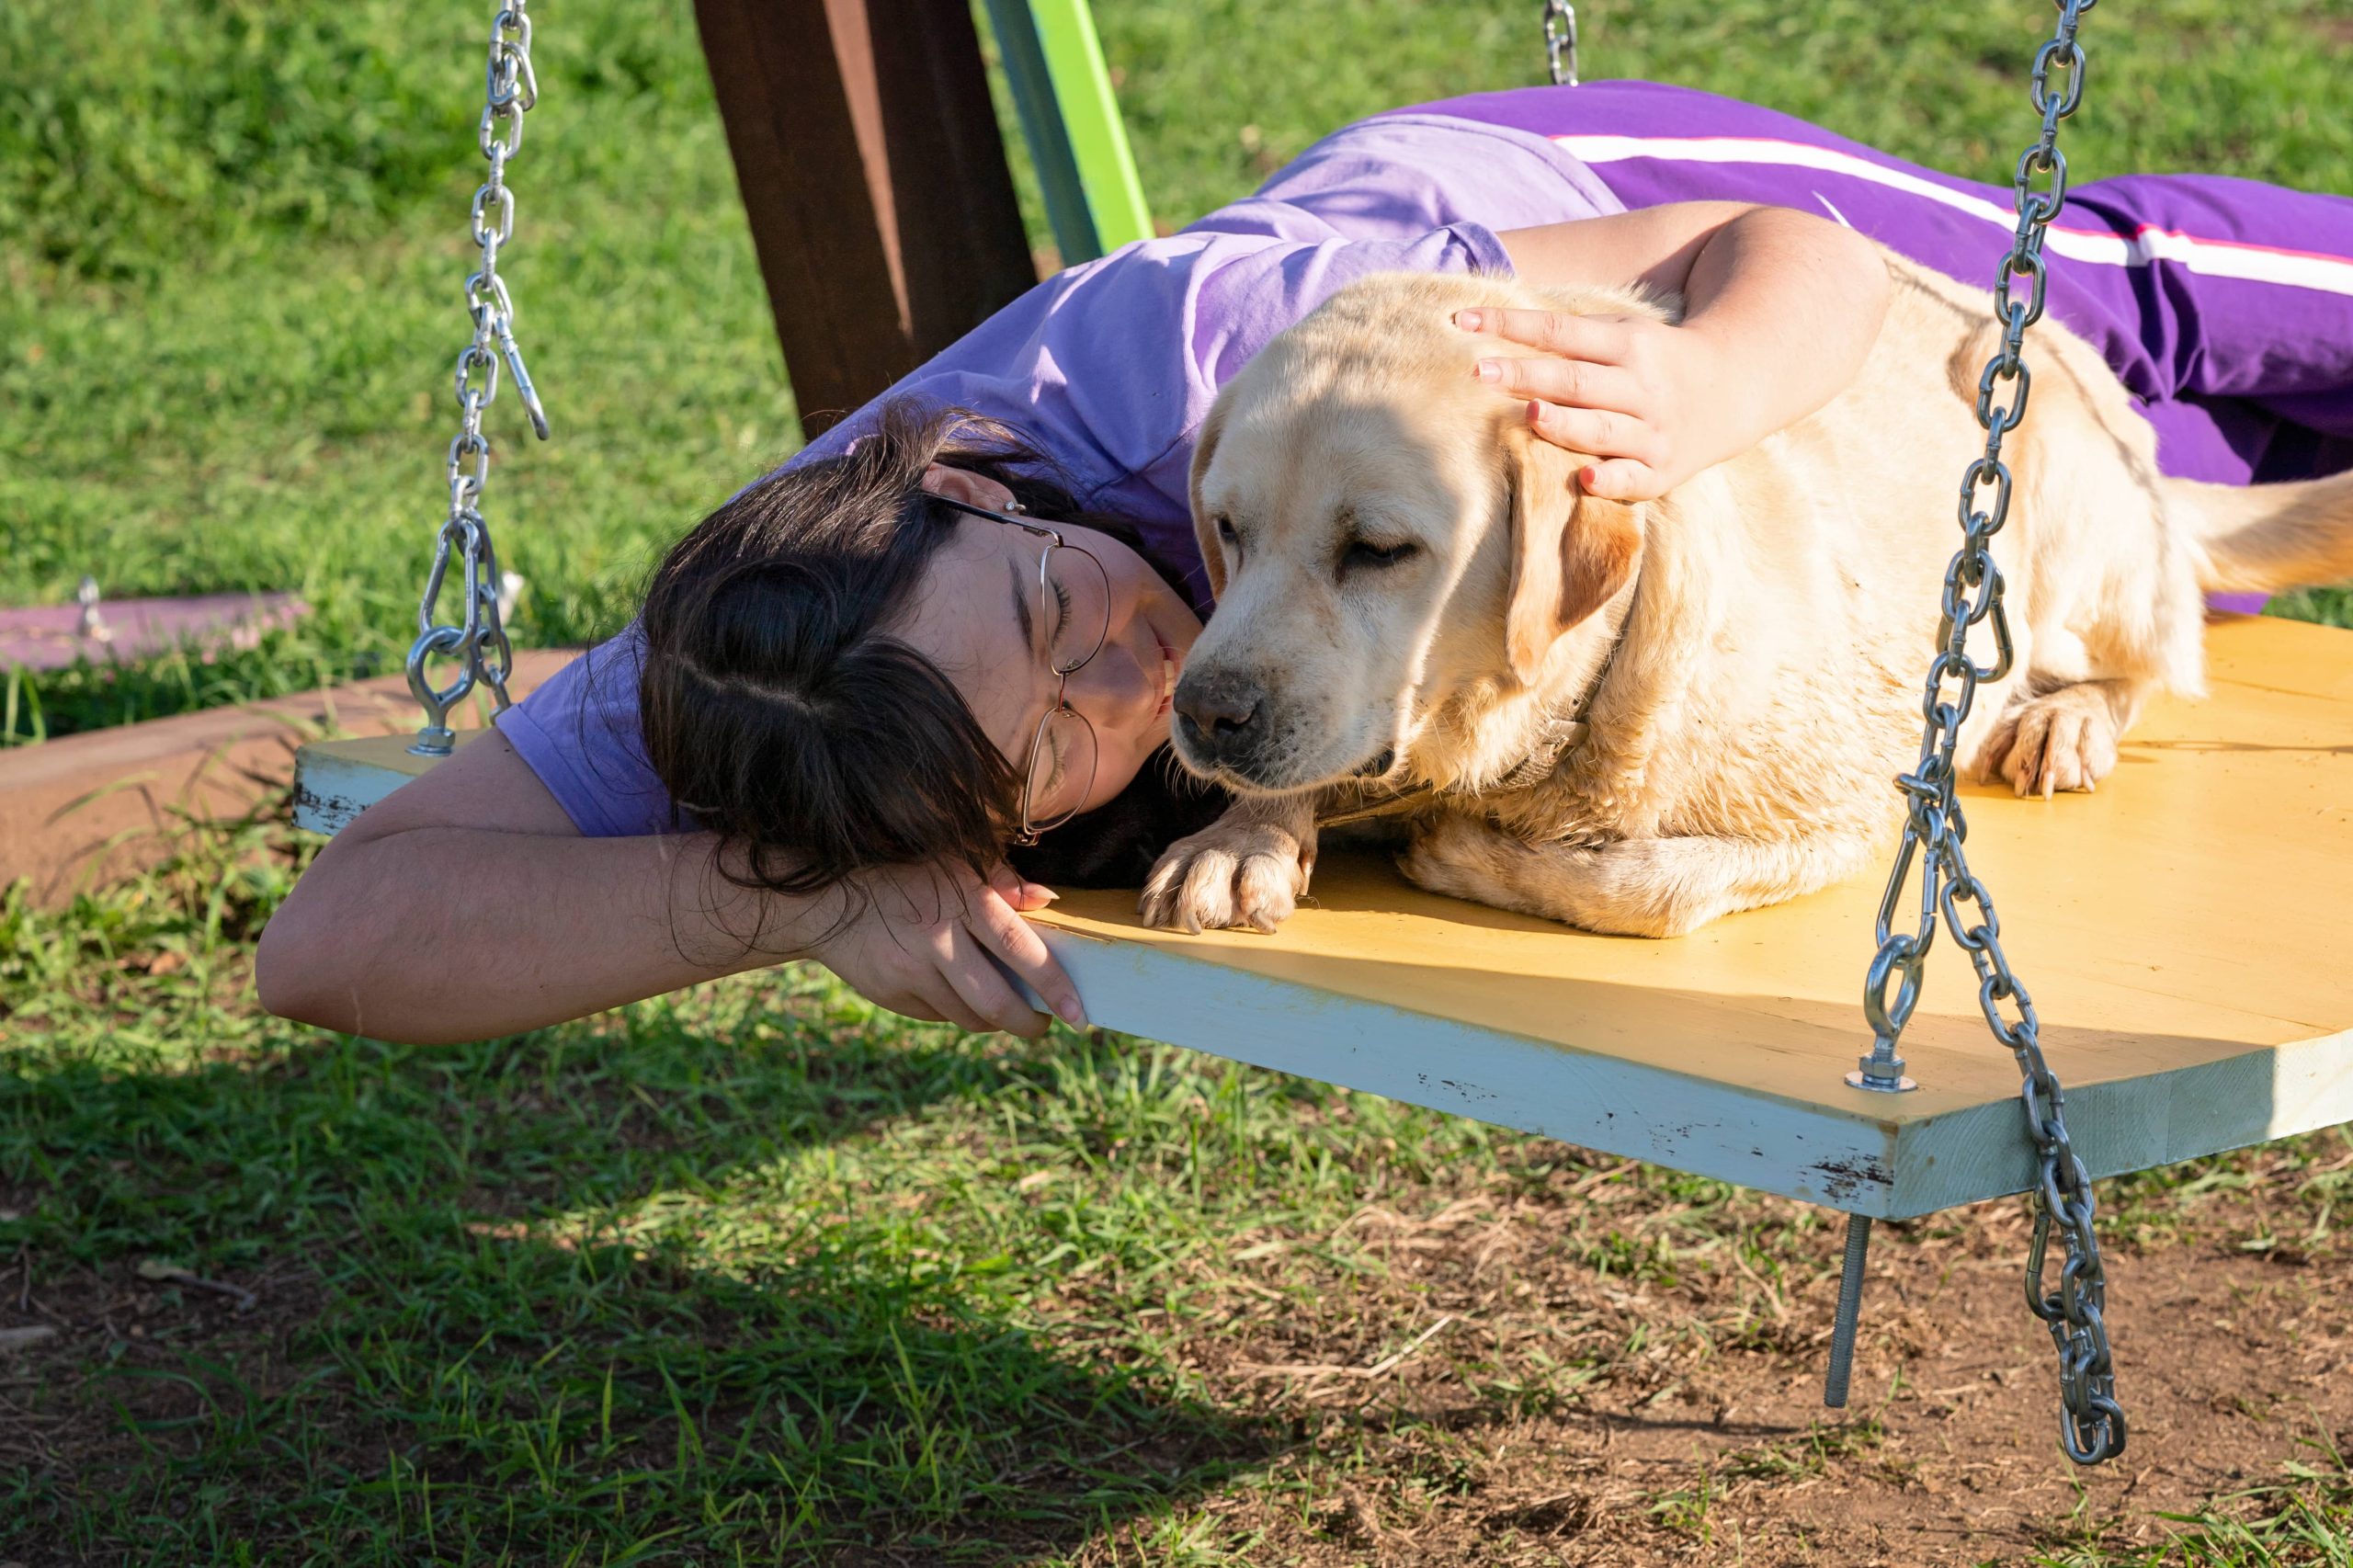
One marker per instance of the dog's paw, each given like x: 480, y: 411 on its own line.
x: 2063, y: 739
x: 1230, y: 873
x: 1464, y: 858
x: 1632, y: 888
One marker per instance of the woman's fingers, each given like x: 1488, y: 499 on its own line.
x: 1016, y: 941
x: 937, y: 1000
x: 913, y: 1003
x: 983, y: 989
x: 1599, y: 338
x: 1578, y: 383
x: 1595, y: 432
x: 1622, y: 479
x: 1024, y: 895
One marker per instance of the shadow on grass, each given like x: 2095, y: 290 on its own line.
x: 654, y: 1285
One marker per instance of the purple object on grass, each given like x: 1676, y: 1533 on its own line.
x: 51, y: 637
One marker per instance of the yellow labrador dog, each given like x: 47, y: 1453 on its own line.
x: 1636, y: 719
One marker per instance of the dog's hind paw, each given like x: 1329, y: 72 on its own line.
x: 1231, y: 873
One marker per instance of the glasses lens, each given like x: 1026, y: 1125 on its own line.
x: 1061, y: 770
x: 1078, y: 606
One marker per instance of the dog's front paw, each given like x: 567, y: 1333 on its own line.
x: 2063, y: 739
x: 1230, y: 873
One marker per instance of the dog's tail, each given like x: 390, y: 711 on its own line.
x: 2260, y: 539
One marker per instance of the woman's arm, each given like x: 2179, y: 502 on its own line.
x: 1780, y: 308
x: 465, y: 906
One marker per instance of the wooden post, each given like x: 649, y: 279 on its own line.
x: 871, y: 166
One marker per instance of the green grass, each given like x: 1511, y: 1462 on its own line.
x: 755, y: 1273
x: 231, y: 234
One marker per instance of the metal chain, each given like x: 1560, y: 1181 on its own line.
x: 2092, y: 1424
x: 479, y: 639
x: 1560, y: 39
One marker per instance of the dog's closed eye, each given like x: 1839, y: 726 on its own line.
x: 1365, y: 553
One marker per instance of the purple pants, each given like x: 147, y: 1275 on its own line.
x: 2225, y: 305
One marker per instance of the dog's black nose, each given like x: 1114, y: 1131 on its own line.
x: 1219, y: 714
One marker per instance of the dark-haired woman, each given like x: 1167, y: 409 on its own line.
x: 934, y: 636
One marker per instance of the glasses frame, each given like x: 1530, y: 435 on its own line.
x: 1032, y: 829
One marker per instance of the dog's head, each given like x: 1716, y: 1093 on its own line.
x: 1387, y: 541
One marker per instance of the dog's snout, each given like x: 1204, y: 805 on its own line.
x: 1221, y: 714
x: 1223, y: 704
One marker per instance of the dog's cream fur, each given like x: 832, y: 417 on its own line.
x: 1772, y: 617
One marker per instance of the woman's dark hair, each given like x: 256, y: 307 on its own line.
x: 780, y: 711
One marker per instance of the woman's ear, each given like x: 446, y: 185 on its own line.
x: 1204, y: 530
x: 1571, y: 553
x: 963, y: 484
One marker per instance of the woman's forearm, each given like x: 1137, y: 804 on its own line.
x: 1791, y: 304
x: 435, y: 934
x: 467, y: 903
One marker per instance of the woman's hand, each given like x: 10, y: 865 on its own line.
x: 1780, y: 308
x: 923, y: 941
x: 1643, y: 398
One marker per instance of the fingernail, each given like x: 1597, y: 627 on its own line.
x: 1487, y: 371
x: 1072, y: 1015
x: 1031, y: 890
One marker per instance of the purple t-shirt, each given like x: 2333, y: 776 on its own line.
x: 1109, y: 369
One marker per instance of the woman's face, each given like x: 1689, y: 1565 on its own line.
x: 979, y: 618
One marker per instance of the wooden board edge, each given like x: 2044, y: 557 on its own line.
x: 1628, y: 1109
x: 2128, y: 1124
x: 337, y: 780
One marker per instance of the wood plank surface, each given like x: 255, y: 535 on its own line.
x: 2182, y: 932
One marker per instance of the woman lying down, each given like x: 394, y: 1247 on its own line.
x: 939, y: 644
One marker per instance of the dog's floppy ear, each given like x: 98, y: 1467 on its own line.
x: 1570, y: 551
x: 1204, y: 530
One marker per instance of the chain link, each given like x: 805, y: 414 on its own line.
x: 478, y: 640
x: 2092, y: 1423
x: 1561, y: 43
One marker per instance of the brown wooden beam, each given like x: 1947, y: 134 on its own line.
x: 86, y: 810
x: 870, y: 164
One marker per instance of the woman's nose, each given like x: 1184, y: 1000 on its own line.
x: 1114, y: 692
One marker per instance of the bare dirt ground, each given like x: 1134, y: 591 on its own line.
x: 1702, y: 1438
x: 1467, y: 1387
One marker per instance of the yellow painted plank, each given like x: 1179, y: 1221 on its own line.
x: 390, y: 752
x: 2190, y: 913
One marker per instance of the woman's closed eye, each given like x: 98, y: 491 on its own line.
x: 1047, y: 785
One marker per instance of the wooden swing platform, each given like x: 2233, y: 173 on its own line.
x: 2184, y: 933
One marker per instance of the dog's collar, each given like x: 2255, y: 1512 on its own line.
x: 1561, y: 736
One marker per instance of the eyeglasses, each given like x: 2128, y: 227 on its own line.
x: 1074, y: 608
